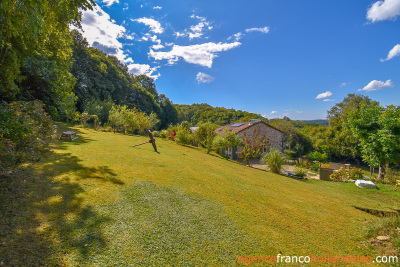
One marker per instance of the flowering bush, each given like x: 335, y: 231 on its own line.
x: 345, y: 175
x: 25, y: 130
x: 172, y: 136
x: 253, y: 147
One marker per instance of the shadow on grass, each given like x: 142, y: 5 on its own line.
x: 44, y: 219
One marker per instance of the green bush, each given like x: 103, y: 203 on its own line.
x: 315, y: 167
x: 303, y: 163
x: 184, y: 137
x: 274, y: 160
x: 392, y: 177
x: 317, y: 156
x: 156, y: 133
x: 164, y: 134
x: 300, y: 172
x: 172, y: 129
x: 291, y: 154
x: 205, y: 135
x: 25, y: 130
x: 343, y: 175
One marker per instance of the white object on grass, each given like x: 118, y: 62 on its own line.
x: 363, y: 183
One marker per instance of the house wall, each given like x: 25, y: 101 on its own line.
x: 275, y: 137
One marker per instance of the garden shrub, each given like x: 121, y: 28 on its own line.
x: 163, y: 134
x: 392, y: 177
x: 84, y: 119
x: 225, y: 140
x: 343, y: 175
x: 291, y: 154
x: 156, y: 133
x: 25, y: 130
x: 274, y: 160
x: 173, y: 129
x: 205, y: 135
x: 317, y: 156
x: 300, y: 172
x: 303, y: 163
x: 184, y: 137
x: 315, y: 167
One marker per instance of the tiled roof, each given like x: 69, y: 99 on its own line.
x: 242, y: 127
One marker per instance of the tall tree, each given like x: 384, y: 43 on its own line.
x: 36, y: 31
x: 377, y: 129
x: 341, y: 142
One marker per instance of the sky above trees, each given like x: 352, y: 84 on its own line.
x: 277, y: 58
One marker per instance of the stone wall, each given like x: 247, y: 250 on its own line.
x: 275, y: 137
x: 337, y: 166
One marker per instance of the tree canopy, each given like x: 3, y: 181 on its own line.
x: 377, y: 129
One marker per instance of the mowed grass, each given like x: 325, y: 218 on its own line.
x: 99, y: 202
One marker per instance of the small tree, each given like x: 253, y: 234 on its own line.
x: 84, y: 118
x: 228, y: 139
x: 95, y: 120
x: 205, y: 135
x: 152, y: 120
x: 253, y: 147
x: 115, y: 118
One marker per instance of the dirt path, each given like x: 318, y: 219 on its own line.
x: 255, y: 163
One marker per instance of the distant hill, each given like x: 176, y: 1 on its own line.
x: 321, y: 122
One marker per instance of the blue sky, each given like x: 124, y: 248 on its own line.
x: 276, y: 58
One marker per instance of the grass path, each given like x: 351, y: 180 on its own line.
x: 97, y: 201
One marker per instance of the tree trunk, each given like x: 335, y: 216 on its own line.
x: 381, y: 174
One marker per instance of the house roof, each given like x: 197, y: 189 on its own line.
x: 238, y: 127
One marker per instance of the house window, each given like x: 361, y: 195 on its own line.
x: 229, y: 152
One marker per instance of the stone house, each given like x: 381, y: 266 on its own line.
x: 276, y: 137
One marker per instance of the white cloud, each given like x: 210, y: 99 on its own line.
x: 240, y: 35
x: 377, y: 85
x: 264, y: 116
x: 157, y: 47
x: 274, y: 112
x: 395, y: 51
x: 262, y: 30
x: 103, y: 33
x: 110, y: 2
x: 236, y: 36
x: 204, y: 78
x: 324, y: 95
x: 383, y: 10
x: 197, y: 30
x: 299, y: 111
x: 201, y: 54
x: 328, y: 100
x: 157, y: 7
x: 130, y: 37
x: 179, y: 34
x: 138, y: 69
x: 343, y: 84
x: 154, y: 25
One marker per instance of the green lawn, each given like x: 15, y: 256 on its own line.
x: 99, y: 202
